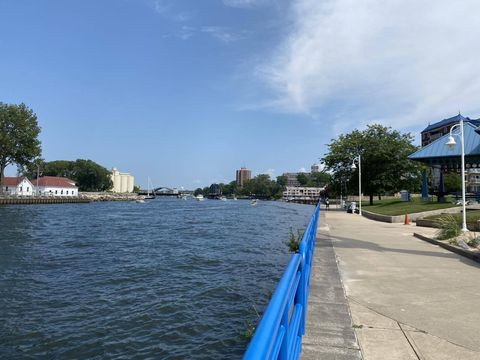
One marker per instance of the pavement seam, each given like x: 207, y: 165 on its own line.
x: 327, y: 234
x: 414, y: 327
x: 414, y: 348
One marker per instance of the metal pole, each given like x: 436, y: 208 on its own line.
x: 359, y: 185
x: 38, y: 174
x: 464, y: 224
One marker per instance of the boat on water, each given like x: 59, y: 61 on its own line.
x: 184, y: 197
x: 149, y: 186
x: 254, y: 202
x: 140, y: 201
x: 223, y: 198
x: 234, y: 197
x: 199, y: 197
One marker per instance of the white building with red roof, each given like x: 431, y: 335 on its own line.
x: 17, y: 186
x: 56, y: 186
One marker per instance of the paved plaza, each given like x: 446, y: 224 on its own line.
x: 379, y: 293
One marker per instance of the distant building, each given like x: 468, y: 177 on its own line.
x: 291, y: 179
x: 243, y: 175
x: 302, y: 193
x: 18, y: 186
x: 437, y: 130
x: 56, y: 186
x: 315, y: 168
x: 122, y: 182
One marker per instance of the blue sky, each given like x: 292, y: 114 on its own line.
x: 186, y: 92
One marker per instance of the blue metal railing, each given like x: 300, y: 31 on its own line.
x: 279, y: 334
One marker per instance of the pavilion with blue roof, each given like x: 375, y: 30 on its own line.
x: 438, y: 155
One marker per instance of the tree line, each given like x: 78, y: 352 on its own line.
x: 20, y: 145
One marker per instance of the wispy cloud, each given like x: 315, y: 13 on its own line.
x: 245, y: 3
x: 270, y: 172
x: 401, y: 61
x: 224, y: 34
x: 165, y: 9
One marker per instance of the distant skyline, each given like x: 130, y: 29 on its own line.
x: 187, y: 92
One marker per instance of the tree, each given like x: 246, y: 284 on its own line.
x: 88, y: 175
x: 385, y: 165
x: 452, y: 182
x: 302, y: 179
x: 319, y: 179
x: 19, y: 133
x: 282, y: 180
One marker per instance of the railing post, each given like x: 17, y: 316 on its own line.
x: 302, y: 296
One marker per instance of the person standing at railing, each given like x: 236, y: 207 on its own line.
x: 327, y: 204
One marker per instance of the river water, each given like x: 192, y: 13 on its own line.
x: 168, y: 279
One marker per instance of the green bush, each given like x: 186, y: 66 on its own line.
x: 449, y: 228
x: 294, y: 241
x: 474, y: 242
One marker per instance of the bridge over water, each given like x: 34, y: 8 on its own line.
x: 165, y: 191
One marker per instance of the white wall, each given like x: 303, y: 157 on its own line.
x: 25, y: 188
x: 57, y: 191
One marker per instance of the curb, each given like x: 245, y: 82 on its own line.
x: 456, y: 250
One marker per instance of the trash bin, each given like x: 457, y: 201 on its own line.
x: 405, y: 195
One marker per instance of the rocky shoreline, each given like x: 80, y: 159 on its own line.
x: 108, y: 196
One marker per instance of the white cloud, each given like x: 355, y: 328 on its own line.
x: 302, y: 170
x: 244, y: 3
x: 270, y: 172
x: 223, y: 34
x: 164, y: 8
x: 401, y: 62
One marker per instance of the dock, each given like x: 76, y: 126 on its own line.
x: 31, y: 200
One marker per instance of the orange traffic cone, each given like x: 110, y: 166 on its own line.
x: 407, y: 222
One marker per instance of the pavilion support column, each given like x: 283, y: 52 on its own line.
x: 441, y: 189
x: 424, y: 186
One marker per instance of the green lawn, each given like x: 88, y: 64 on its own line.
x: 398, y: 207
x: 472, y: 217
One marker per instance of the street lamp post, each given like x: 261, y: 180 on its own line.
x: 359, y: 159
x: 451, y: 144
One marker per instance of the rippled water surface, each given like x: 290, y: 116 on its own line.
x: 168, y: 279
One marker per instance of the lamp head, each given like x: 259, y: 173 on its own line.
x: 451, y: 142
x: 353, y: 167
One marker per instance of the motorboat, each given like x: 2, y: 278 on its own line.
x: 199, y: 197
x: 223, y: 198
x: 140, y: 201
x: 254, y: 202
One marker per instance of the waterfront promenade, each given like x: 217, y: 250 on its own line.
x: 379, y: 293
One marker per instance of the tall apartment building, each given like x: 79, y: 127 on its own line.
x: 243, y: 175
x: 291, y: 179
x: 315, y: 168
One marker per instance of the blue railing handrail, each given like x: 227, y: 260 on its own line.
x: 279, y: 334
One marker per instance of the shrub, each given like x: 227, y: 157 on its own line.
x: 474, y: 242
x: 294, y: 242
x: 449, y: 228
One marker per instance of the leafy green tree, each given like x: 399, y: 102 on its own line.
x: 452, y: 182
x: 88, y: 175
x: 198, y: 191
x: 302, y: 179
x: 282, y: 180
x: 319, y: 179
x: 19, y: 133
x: 263, y: 187
x: 385, y: 165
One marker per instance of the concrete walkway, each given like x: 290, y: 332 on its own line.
x: 408, y: 299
